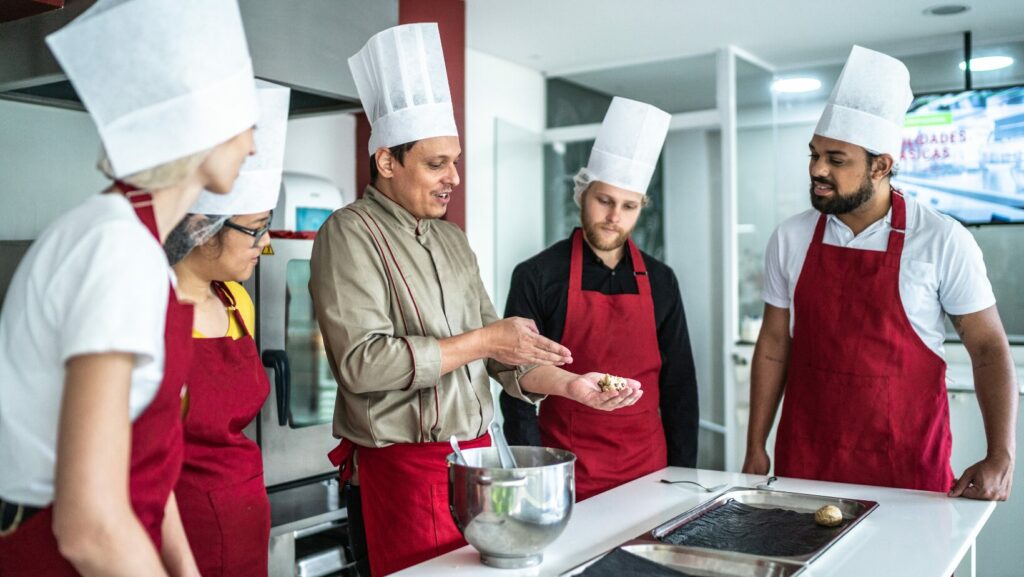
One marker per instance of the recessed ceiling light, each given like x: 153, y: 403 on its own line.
x: 795, y: 85
x: 987, y: 63
x: 946, y: 10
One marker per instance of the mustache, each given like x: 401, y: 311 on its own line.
x: 821, y: 180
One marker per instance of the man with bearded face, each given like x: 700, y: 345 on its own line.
x: 855, y: 294
x: 619, y: 311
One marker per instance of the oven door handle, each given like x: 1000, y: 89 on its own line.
x: 277, y: 361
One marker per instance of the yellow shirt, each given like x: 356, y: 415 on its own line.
x: 248, y: 312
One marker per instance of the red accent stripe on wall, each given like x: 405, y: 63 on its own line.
x: 450, y: 16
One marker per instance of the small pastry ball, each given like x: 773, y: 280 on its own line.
x: 611, y: 383
x: 828, y: 516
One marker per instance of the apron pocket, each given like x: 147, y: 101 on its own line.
x: 243, y: 513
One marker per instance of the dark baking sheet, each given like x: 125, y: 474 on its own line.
x: 738, y: 527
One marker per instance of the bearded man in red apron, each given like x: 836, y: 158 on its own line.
x: 619, y: 310
x: 855, y: 294
x: 410, y: 333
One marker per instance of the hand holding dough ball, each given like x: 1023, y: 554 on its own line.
x: 828, y: 516
x: 611, y: 383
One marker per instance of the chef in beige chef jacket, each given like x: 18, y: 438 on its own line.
x: 856, y: 291
x: 94, y: 344
x: 410, y: 333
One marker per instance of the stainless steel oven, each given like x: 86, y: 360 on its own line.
x: 308, y: 534
x: 295, y: 423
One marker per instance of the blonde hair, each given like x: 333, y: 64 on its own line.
x: 159, y: 176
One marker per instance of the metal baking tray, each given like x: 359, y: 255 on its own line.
x: 706, y: 562
x: 853, y: 511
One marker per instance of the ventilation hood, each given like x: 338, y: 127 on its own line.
x: 304, y: 45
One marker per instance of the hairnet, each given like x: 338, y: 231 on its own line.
x: 580, y: 184
x: 192, y: 231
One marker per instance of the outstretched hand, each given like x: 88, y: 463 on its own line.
x: 584, y: 389
x: 516, y: 341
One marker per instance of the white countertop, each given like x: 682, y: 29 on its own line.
x: 911, y: 533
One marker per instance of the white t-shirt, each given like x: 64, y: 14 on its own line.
x: 941, y: 269
x: 95, y: 281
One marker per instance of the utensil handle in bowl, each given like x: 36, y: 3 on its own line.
x: 510, y: 482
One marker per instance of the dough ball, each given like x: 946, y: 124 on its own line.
x: 611, y: 383
x: 828, y: 516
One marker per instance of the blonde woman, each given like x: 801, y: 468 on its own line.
x: 94, y: 344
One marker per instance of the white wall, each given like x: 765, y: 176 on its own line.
x: 324, y: 146
x: 499, y: 90
x: 48, y: 157
x: 692, y: 248
x: 47, y: 165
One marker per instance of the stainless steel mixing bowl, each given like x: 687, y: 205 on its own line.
x: 511, y: 515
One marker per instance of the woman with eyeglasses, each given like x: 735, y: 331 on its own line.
x: 221, y: 495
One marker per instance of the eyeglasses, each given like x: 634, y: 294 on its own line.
x: 255, y: 233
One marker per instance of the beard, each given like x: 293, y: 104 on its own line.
x: 837, y: 203
x: 592, y: 231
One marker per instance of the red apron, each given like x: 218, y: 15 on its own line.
x: 404, y: 490
x: 156, y: 447
x: 865, y: 398
x: 616, y: 334
x: 221, y: 495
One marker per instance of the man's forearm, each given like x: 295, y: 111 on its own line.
x: 461, y: 350
x: 547, y: 380
x: 995, y: 382
x: 767, y: 382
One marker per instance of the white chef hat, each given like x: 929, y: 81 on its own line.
x: 162, y: 79
x: 868, y: 103
x: 259, y: 180
x: 402, y: 82
x: 628, y: 144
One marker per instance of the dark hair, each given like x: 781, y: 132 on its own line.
x: 871, y: 161
x: 398, y: 151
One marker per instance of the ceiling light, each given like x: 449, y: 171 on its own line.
x: 795, y: 85
x: 987, y: 63
x: 946, y: 10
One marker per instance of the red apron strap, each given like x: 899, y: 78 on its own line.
x: 898, y: 234
x: 343, y: 457
x: 576, y: 262
x: 643, y: 282
x: 228, y: 300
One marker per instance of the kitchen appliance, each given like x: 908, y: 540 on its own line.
x: 304, y: 49
x: 511, y: 515
x: 294, y: 428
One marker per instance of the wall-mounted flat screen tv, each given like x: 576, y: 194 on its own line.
x: 963, y: 154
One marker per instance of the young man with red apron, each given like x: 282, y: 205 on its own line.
x: 156, y: 448
x: 619, y: 311
x: 864, y: 380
